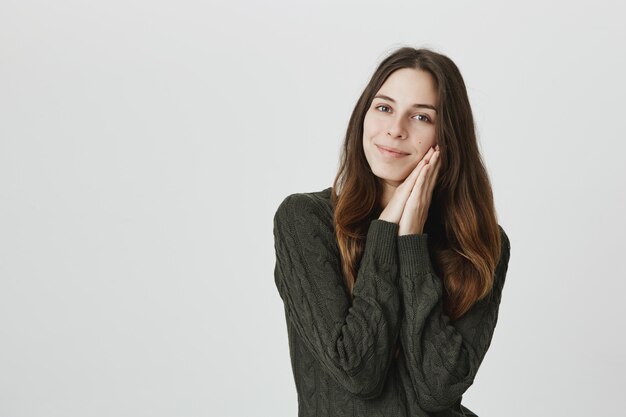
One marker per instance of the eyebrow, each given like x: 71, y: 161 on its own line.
x: 427, y: 106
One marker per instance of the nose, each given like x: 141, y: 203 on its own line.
x: 396, y: 128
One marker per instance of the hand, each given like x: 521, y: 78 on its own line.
x: 417, y: 204
x: 393, y: 211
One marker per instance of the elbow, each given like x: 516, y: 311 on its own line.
x: 367, y: 383
x: 446, y: 384
x: 366, y: 390
x: 442, y: 395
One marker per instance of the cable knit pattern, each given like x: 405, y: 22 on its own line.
x: 342, y: 352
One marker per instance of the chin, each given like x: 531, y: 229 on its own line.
x: 390, y: 177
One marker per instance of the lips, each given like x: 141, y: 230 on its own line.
x: 394, y: 150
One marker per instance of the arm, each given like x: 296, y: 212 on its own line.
x: 442, y: 357
x: 353, y: 343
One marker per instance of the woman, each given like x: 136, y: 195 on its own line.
x: 392, y: 278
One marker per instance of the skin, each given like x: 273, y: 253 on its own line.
x: 408, y: 181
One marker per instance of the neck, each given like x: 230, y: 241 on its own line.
x: 388, y: 191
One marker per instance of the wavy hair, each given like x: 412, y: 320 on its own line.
x: 463, y: 232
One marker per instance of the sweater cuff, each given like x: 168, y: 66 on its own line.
x: 413, y: 254
x: 381, y: 241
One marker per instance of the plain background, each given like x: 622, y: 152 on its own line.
x: 145, y: 146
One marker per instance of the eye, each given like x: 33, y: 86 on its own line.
x: 381, y: 105
x: 426, y: 118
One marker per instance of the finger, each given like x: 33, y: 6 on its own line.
x: 421, y: 190
x: 428, y: 154
x: 406, y: 189
x: 434, y: 174
x: 425, y: 158
x: 417, y: 191
x: 429, y: 175
x: 423, y: 162
x: 409, y: 181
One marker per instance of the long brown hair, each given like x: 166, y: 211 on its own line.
x: 463, y: 233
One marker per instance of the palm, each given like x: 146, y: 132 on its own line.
x: 417, y: 204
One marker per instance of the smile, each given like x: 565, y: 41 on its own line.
x: 390, y: 154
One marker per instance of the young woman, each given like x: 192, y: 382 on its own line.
x: 392, y: 278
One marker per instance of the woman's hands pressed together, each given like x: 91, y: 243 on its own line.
x: 411, y: 200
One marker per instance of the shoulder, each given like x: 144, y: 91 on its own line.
x: 504, y: 238
x: 305, y: 205
x: 302, y: 220
x: 505, y: 253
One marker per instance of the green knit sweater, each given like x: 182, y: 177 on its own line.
x: 342, y: 352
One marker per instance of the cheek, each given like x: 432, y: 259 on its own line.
x: 370, y: 125
x: 426, y: 140
x: 423, y: 143
x: 367, y: 128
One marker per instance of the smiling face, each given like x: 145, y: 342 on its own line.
x: 401, y: 116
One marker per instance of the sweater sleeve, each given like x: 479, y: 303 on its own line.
x: 442, y: 357
x: 352, y: 342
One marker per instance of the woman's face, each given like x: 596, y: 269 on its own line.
x: 402, y: 116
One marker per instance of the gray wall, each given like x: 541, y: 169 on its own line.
x: 144, y: 147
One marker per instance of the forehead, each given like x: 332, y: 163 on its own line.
x: 409, y: 85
